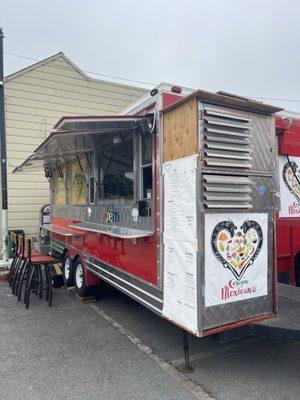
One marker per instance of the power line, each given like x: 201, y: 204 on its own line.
x: 86, y: 71
x: 272, y: 99
x: 132, y: 80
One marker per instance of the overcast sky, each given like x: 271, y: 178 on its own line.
x: 247, y: 47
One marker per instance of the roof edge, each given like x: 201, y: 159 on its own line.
x: 228, y: 99
x: 43, y: 62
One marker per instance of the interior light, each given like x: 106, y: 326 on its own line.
x: 117, y: 140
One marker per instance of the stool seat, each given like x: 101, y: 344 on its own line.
x: 42, y: 259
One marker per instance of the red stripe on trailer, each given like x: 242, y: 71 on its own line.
x: 237, y: 324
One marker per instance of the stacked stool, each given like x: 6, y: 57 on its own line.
x: 30, y: 269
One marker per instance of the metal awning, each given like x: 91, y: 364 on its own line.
x: 73, y: 136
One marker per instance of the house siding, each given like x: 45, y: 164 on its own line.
x: 35, y: 99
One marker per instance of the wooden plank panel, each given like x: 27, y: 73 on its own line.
x: 30, y: 228
x: 35, y: 90
x: 29, y: 192
x: 23, y: 147
x: 37, y: 177
x: 30, y: 208
x: 28, y: 200
x: 41, y: 112
x: 33, y: 184
x: 59, y: 102
x: 180, y: 131
x: 39, y: 127
x: 105, y: 86
x: 38, y: 132
x: 92, y: 88
x: 24, y: 216
x: 15, y: 139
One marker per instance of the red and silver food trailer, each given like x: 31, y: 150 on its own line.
x: 288, y: 218
x: 172, y: 203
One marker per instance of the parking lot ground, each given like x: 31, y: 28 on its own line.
x: 249, y: 368
x: 69, y: 352
x: 117, y: 349
x: 287, y: 323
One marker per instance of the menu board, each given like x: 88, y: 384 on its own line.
x: 180, y: 199
x: 180, y: 242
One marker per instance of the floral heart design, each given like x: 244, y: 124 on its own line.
x: 291, y: 177
x: 237, y: 248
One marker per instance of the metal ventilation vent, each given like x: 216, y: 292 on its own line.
x: 227, y: 139
x: 227, y: 191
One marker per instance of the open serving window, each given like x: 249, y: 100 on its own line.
x: 100, y: 171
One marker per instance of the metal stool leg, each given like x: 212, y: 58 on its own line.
x: 12, y: 269
x: 15, y: 277
x: 18, y: 274
x: 29, y: 285
x: 49, y: 285
x: 40, y: 281
x: 22, y: 279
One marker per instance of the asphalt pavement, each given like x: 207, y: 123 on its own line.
x: 117, y: 349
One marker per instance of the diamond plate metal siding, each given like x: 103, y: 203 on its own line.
x: 263, y: 143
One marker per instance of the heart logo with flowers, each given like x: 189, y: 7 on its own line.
x: 237, y: 248
x: 291, y: 177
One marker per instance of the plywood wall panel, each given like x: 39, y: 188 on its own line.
x: 180, y: 131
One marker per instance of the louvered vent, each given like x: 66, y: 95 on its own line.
x: 227, y: 191
x: 227, y: 140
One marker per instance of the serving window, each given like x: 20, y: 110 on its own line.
x: 104, y: 159
x: 59, y: 187
x: 78, y: 176
x: 116, y: 167
x: 146, y: 166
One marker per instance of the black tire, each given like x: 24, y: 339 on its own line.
x: 297, y: 270
x: 67, y: 270
x: 80, y: 279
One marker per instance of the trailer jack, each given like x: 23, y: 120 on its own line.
x: 186, y: 350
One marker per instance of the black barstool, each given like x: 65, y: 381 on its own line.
x: 37, y: 265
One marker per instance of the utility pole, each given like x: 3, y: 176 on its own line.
x: 5, y: 258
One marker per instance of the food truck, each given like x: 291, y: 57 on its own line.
x: 172, y: 202
x: 288, y: 218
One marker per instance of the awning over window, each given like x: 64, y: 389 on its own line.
x: 73, y: 136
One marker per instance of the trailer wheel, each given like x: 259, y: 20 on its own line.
x: 67, y: 270
x: 79, y: 279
